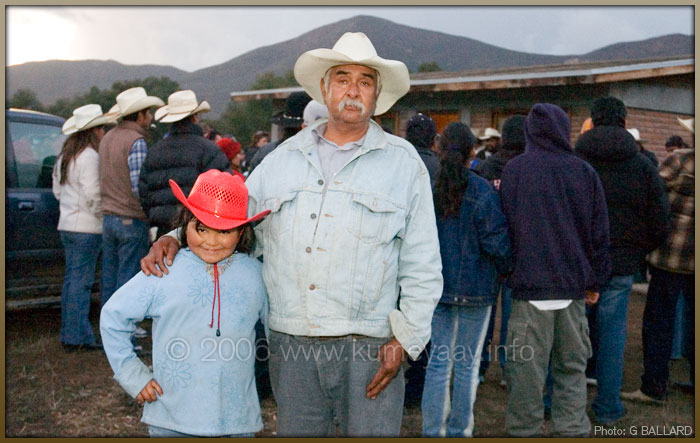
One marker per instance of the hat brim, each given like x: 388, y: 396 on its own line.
x: 688, y: 124
x: 69, y: 126
x: 141, y: 104
x: 164, y: 116
x: 209, y: 219
x: 282, y: 119
x: 312, y: 66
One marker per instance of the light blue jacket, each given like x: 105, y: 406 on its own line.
x: 208, y: 381
x: 335, y: 265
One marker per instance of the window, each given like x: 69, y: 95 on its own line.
x: 36, y: 147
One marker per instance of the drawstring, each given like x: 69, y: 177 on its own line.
x: 217, y: 293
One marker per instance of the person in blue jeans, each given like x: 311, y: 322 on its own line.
x: 76, y: 186
x: 639, y: 219
x: 125, y: 226
x: 474, y: 247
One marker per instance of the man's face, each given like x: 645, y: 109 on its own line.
x: 145, y: 118
x: 491, y: 143
x: 351, y: 95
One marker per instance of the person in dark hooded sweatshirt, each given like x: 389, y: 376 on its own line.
x: 558, y: 224
x: 639, y: 214
x: 421, y: 132
x: 512, y: 145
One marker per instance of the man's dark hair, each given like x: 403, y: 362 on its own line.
x: 134, y: 115
x: 608, y: 111
x: 676, y: 140
x: 421, y: 131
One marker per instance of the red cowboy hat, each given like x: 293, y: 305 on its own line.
x: 218, y: 199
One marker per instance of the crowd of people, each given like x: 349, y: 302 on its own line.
x: 348, y: 251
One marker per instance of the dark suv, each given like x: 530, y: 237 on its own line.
x: 34, y: 262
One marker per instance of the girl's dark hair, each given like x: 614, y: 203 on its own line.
x: 245, y: 244
x: 456, y: 145
x: 73, y: 146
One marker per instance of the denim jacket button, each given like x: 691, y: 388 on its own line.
x: 313, y: 216
x: 312, y: 287
x: 308, y: 249
x: 320, y: 182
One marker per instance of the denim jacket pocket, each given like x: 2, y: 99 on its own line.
x: 281, y: 215
x: 376, y: 219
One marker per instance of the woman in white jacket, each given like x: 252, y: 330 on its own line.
x: 76, y: 186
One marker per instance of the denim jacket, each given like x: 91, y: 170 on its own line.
x: 474, y: 246
x: 334, y: 265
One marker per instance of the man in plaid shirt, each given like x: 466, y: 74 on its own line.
x: 672, y: 272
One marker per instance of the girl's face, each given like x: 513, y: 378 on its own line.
x: 262, y: 142
x: 211, y: 245
x: 237, y: 160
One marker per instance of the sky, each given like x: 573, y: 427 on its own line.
x: 196, y: 37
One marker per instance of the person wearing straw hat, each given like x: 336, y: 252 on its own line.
x: 639, y: 220
x: 125, y: 226
x: 202, y: 380
x: 76, y: 186
x: 672, y: 269
x: 181, y: 156
x: 644, y: 151
x: 352, y: 223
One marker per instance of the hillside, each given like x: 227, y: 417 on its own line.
x: 54, y: 79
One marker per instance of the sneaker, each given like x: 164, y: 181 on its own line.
x: 140, y: 333
x: 591, y: 381
x: 503, y: 383
x: 640, y: 397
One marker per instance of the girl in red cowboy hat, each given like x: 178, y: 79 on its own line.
x: 203, y: 381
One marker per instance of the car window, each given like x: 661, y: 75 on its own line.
x: 36, y: 147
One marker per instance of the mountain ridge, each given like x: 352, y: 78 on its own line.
x: 55, y: 79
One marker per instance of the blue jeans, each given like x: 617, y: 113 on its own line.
x: 158, y: 432
x: 81, y: 251
x: 124, y: 242
x: 657, y: 327
x: 506, y: 301
x: 610, y: 332
x: 319, y: 384
x: 455, y: 345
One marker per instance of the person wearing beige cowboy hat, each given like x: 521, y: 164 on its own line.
x: 672, y: 268
x: 491, y: 139
x: 181, y: 156
x: 76, y: 186
x: 351, y: 224
x: 122, y: 152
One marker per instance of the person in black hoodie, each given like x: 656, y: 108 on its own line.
x: 421, y: 132
x: 558, y: 224
x: 181, y: 156
x: 639, y: 214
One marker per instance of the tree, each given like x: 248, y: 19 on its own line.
x: 25, y: 99
x: 429, y: 67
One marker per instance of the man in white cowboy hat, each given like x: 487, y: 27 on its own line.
x: 125, y: 226
x: 352, y: 224
x: 181, y: 156
x: 672, y: 268
x: 491, y: 139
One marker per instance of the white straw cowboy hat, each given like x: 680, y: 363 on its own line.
x: 134, y: 100
x: 86, y: 117
x: 688, y: 124
x: 635, y: 134
x: 353, y: 48
x: 490, y: 132
x: 181, y: 104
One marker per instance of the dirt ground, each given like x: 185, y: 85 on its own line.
x: 52, y: 393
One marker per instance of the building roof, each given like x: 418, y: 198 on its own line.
x: 520, y: 77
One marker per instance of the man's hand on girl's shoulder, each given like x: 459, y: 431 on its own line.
x: 164, y: 248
